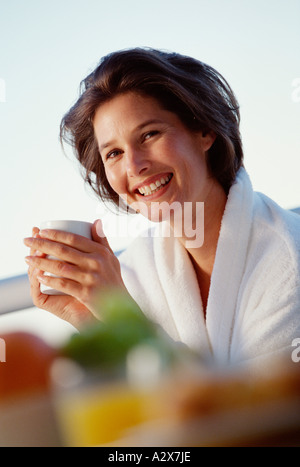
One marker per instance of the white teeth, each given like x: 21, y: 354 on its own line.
x: 149, y: 189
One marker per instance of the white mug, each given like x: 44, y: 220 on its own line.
x: 76, y: 227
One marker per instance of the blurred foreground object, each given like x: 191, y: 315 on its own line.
x: 241, y: 407
x: 124, y: 382
x: 26, y: 413
x: 118, y: 368
x: 26, y: 370
x: 128, y: 384
x: 183, y: 409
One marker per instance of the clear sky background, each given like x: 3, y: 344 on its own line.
x: 48, y: 47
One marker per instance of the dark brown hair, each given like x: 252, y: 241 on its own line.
x: 194, y: 91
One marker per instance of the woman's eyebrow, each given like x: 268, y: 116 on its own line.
x: 138, y: 128
x: 106, y: 145
x: 148, y: 122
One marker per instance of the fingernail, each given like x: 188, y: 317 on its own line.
x: 99, y: 228
x: 38, y: 253
x: 44, y: 233
x: 28, y: 241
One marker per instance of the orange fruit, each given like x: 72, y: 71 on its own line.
x: 27, y: 366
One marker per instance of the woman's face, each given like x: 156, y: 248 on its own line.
x: 149, y: 156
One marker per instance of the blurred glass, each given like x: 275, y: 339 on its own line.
x: 100, y: 408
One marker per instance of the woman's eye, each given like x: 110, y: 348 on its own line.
x: 149, y: 134
x: 112, y: 154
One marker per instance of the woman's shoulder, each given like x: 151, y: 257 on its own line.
x: 277, y: 228
x: 281, y: 220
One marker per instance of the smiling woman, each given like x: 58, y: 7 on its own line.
x: 160, y: 131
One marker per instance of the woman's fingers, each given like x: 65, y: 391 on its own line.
x: 96, y: 274
x: 33, y: 252
x: 57, y: 267
x: 71, y: 251
x: 99, y: 236
x: 77, y: 266
x: 38, y: 298
x: 63, y: 245
x: 35, y: 234
x: 66, y: 261
x: 64, y: 306
x: 81, y: 291
x: 52, y: 248
x: 74, y: 241
x: 67, y: 238
x: 61, y: 284
x: 79, y: 242
x: 78, y: 272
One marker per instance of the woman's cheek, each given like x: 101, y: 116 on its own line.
x: 119, y: 187
x: 115, y: 182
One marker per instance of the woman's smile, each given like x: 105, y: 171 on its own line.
x: 154, y: 185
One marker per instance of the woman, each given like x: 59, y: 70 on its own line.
x: 159, y: 130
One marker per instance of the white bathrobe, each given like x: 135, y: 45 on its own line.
x: 253, y: 308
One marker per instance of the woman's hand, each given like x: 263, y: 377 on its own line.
x: 84, y: 267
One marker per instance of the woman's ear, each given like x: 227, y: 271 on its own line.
x: 208, y: 138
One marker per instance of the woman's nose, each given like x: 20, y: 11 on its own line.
x: 137, y: 162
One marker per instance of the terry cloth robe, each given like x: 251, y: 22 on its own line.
x: 253, y: 308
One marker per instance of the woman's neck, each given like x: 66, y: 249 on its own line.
x: 203, y: 256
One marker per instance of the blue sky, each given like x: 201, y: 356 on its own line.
x: 48, y: 47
